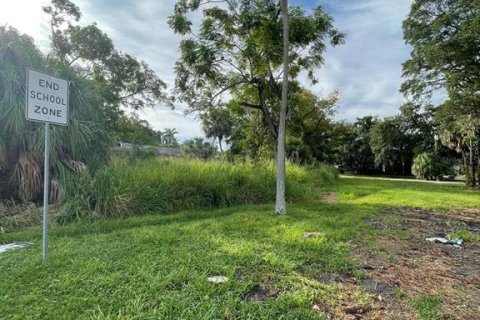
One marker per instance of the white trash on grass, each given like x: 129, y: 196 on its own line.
x: 457, y: 242
x: 217, y: 279
x: 13, y: 246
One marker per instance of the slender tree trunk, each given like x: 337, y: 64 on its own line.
x: 466, y: 168
x: 280, y: 205
x: 220, y: 144
x: 472, y: 167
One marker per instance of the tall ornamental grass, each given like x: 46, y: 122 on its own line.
x: 127, y: 188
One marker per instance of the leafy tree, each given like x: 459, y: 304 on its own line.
x: 429, y: 166
x: 311, y: 134
x: 444, y: 37
x: 238, y: 51
x: 249, y: 137
x: 354, y: 151
x: 132, y: 129
x: 311, y: 131
x: 460, y: 133
x: 419, y: 124
x: 217, y: 123
x: 80, y: 146
x: 122, y: 80
x: 198, y: 148
x: 391, y: 145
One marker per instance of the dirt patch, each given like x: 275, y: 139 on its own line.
x: 260, y: 293
x: 403, y: 262
x: 354, y: 301
x: 329, y: 198
x: 400, y: 265
x: 351, y: 304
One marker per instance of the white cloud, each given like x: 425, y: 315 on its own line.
x: 367, y: 68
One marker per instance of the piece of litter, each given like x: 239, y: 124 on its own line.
x: 457, y: 242
x: 13, y: 246
x: 217, y: 279
x: 313, y: 234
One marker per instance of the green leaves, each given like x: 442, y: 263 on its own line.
x: 121, y: 79
x: 444, y: 36
x: 179, y: 23
x: 445, y: 39
x: 90, y: 43
x: 237, y: 53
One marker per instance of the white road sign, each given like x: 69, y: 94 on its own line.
x: 47, y: 98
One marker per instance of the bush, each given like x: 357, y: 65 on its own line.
x: 166, y: 185
x: 430, y: 167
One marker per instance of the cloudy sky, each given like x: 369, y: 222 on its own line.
x: 366, y: 70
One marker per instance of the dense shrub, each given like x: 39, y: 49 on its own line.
x: 165, y: 185
x: 430, y: 167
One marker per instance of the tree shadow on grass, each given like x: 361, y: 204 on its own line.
x: 108, y: 225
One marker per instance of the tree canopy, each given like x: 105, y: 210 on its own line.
x: 122, y: 80
x: 445, y: 36
x: 236, y: 51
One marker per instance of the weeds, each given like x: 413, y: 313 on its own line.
x: 130, y: 187
x: 429, y: 308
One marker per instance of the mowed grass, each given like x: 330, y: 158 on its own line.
x: 156, y: 266
x: 418, y: 194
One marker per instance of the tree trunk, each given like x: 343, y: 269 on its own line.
x: 472, y: 167
x: 220, y: 144
x: 280, y: 205
x: 263, y: 106
x: 466, y: 168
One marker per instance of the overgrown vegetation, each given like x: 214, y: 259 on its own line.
x: 127, y: 188
x: 104, y: 82
x: 81, y: 146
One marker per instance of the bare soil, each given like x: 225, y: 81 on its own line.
x: 260, y: 293
x: 329, y: 198
x: 400, y: 264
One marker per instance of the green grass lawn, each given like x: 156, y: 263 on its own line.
x: 156, y: 267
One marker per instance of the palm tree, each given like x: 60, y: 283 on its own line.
x: 83, y: 144
x: 217, y: 124
x: 169, y: 137
x: 159, y: 135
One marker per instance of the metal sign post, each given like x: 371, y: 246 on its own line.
x: 47, y: 102
x: 46, y: 172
